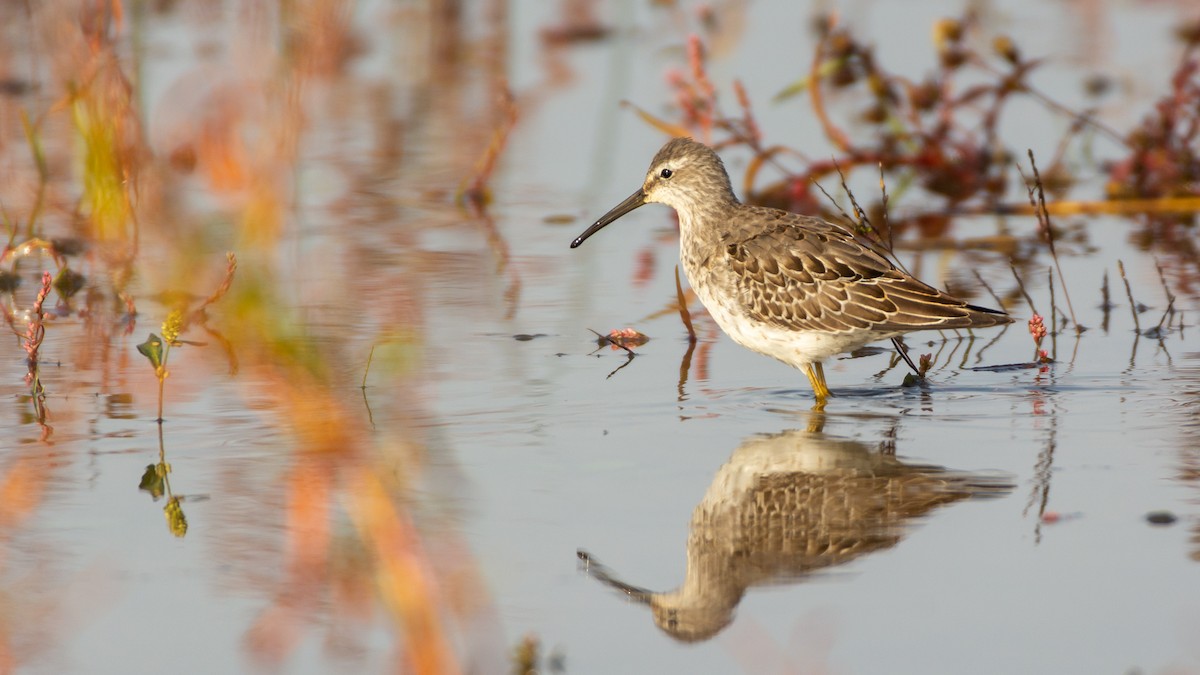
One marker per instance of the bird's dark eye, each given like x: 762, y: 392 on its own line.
x: 665, y: 173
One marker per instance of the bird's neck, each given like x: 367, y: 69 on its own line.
x: 704, y: 224
x: 700, y: 238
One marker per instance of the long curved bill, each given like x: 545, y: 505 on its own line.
x: 605, y: 576
x: 632, y: 202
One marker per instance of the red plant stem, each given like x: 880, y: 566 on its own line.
x: 748, y: 115
x: 836, y: 135
x: 34, y: 335
x: 707, y: 91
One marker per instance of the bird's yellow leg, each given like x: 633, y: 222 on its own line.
x: 816, y: 377
x: 816, y: 420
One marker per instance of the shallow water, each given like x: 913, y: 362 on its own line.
x: 992, y: 521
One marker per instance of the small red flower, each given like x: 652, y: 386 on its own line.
x: 1037, y: 328
x: 624, y: 338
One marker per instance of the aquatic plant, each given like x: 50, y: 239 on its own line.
x: 1164, y: 148
x: 941, y: 131
x: 158, y: 349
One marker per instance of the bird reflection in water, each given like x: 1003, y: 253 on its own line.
x: 786, y: 506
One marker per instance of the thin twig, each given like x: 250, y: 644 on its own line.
x: 1022, y: 287
x: 1053, y: 315
x: 161, y: 382
x: 1053, y: 306
x: 979, y: 353
x: 367, y: 369
x: 979, y: 277
x: 752, y: 128
x: 684, y: 314
x: 1129, y: 294
x: 1170, y: 298
x: 864, y: 221
x: 230, y: 270
x: 860, y: 218
x: 832, y: 132
x: 962, y: 365
x: 614, y: 343
x: 1044, y: 221
x: 474, y: 187
x: 685, y: 367
x: 628, y: 360
x: 34, y: 334
x: 1105, y: 301
x: 887, y: 226
x: 859, y: 214
x: 834, y: 202
x: 903, y: 352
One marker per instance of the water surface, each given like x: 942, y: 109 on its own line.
x: 425, y: 512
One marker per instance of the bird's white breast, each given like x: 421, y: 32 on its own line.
x: 718, y: 291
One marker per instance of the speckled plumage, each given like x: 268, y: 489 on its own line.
x: 787, y: 507
x: 793, y: 287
